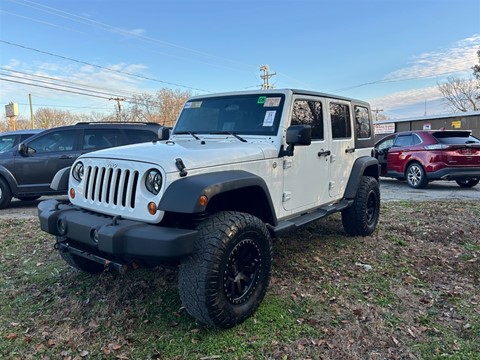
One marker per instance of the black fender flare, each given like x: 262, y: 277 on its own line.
x: 60, y: 180
x: 183, y: 194
x: 365, y: 165
x: 10, y: 179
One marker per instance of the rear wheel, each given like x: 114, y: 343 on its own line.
x: 416, y: 177
x: 467, y: 183
x: 225, y: 279
x: 362, y: 217
x: 5, y: 194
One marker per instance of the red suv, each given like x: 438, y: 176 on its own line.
x: 426, y: 155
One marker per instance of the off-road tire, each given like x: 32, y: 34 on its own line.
x: 225, y: 279
x: 467, y: 183
x: 416, y: 177
x: 5, y: 194
x: 82, y: 264
x: 362, y: 217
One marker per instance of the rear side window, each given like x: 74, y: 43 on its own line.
x: 94, y: 139
x: 404, y: 140
x: 340, y: 117
x: 456, y: 140
x: 362, y: 123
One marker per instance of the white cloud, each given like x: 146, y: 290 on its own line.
x: 457, y: 58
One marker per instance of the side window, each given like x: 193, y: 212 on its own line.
x: 385, y: 145
x: 340, y: 117
x: 416, y: 139
x: 139, y: 136
x: 94, y: 139
x: 309, y: 112
x: 62, y: 140
x: 403, y: 140
x: 362, y: 123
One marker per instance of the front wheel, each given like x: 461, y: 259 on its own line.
x: 362, y: 217
x: 467, y: 183
x: 225, y: 279
x: 416, y: 177
x: 5, y: 194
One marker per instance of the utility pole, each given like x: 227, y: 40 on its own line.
x: 266, y: 76
x: 119, y: 107
x: 31, y: 111
x: 376, y: 111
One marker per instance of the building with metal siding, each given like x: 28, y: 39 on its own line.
x: 457, y: 121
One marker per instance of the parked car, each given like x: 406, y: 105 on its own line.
x: 427, y: 155
x: 10, y: 139
x: 26, y: 170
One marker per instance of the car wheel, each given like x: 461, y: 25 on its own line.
x: 81, y: 263
x: 225, y: 279
x: 28, y: 198
x: 416, y: 177
x: 362, y: 217
x: 5, y: 194
x: 467, y: 183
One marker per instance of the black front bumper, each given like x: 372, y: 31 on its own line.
x: 120, y: 238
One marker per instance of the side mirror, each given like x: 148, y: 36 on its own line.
x: 299, y: 135
x: 24, y: 150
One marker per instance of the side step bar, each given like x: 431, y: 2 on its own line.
x: 293, y: 223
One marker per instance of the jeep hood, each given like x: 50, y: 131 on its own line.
x: 194, y: 154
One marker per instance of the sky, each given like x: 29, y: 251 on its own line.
x: 391, y: 53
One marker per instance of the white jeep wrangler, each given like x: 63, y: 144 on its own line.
x: 238, y: 169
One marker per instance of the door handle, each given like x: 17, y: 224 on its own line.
x: 324, y: 153
x: 350, y: 150
x: 66, y: 157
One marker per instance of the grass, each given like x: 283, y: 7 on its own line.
x: 409, y: 291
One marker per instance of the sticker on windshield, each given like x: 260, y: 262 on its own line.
x: 193, y: 105
x: 261, y: 100
x: 272, y: 102
x: 269, y: 118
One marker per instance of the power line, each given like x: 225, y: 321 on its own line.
x: 102, y: 67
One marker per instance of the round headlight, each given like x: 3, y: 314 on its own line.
x: 153, y: 181
x: 78, y: 170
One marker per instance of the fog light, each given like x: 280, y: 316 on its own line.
x: 152, y: 208
x: 95, y: 235
x: 61, y: 227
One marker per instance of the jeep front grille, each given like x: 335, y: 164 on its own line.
x: 114, y: 187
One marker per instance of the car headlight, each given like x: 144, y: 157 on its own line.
x: 78, y: 171
x: 153, y: 181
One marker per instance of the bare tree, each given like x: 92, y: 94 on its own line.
x: 476, y: 68
x: 162, y: 108
x: 461, y: 94
x: 48, y: 118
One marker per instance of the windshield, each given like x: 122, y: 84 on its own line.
x: 241, y: 114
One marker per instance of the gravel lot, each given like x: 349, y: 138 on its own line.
x: 391, y: 190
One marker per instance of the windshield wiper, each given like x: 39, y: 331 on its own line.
x: 188, y: 133
x: 229, y: 133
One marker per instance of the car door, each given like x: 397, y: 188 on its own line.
x: 306, y: 173
x: 381, y: 153
x: 342, y: 146
x: 399, y: 154
x: 45, y: 156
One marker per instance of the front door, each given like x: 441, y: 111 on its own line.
x: 307, y: 172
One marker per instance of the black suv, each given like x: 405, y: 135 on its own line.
x: 27, y: 170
